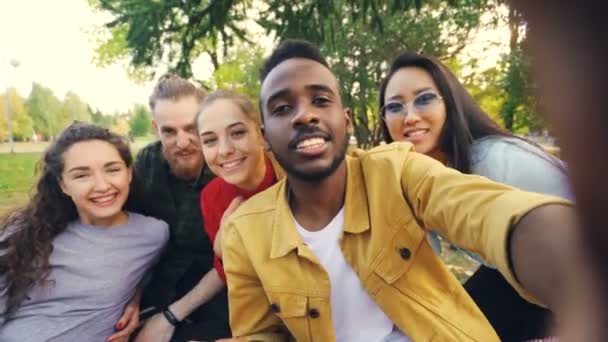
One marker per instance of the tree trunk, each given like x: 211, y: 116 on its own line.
x: 508, y: 110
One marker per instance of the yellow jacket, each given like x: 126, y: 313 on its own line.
x: 278, y: 290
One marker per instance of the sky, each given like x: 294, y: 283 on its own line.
x: 53, y: 41
x: 54, y: 44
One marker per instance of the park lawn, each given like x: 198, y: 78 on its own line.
x: 17, y: 176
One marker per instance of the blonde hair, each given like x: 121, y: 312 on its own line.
x: 173, y: 87
x: 240, y: 100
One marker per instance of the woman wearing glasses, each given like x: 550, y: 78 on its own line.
x: 422, y: 102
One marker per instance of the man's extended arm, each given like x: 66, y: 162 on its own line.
x: 523, y: 234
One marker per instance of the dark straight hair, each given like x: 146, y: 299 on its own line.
x: 465, y: 120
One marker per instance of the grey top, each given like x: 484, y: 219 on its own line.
x: 94, y: 273
x: 517, y: 163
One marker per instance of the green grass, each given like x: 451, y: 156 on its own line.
x: 16, y: 178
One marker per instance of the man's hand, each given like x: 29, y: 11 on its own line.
x: 129, y: 321
x: 156, y: 329
x: 217, y: 245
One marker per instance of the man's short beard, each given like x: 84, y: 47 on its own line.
x: 319, y: 175
x: 187, y: 173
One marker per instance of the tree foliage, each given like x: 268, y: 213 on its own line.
x: 176, y: 32
x: 45, y: 110
x: 140, y: 123
x: 361, y: 41
x: 172, y: 31
x: 240, y: 72
x: 21, y: 122
x: 519, y: 111
x: 359, y: 37
x: 121, y: 125
x: 99, y: 118
x: 74, y: 109
x: 43, y: 114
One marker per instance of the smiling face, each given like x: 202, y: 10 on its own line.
x: 423, y: 127
x: 232, y: 144
x: 305, y: 123
x: 176, y: 129
x: 97, y: 180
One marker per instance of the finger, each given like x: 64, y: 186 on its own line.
x: 119, y: 336
x: 126, y: 331
x: 126, y: 316
x: 133, y: 322
x: 120, y: 339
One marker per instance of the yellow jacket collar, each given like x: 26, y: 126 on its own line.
x: 285, y: 237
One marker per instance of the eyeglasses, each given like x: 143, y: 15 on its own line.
x: 421, y: 104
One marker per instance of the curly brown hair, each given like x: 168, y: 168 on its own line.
x: 27, y: 234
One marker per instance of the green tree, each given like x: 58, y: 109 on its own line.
x: 21, y: 122
x: 121, y: 125
x: 176, y: 32
x: 519, y: 107
x: 100, y: 118
x: 358, y: 36
x: 240, y: 72
x: 74, y: 109
x: 140, y: 122
x: 45, y: 110
x: 487, y: 92
x: 361, y: 41
x: 173, y: 31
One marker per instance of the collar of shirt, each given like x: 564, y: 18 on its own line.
x: 356, y: 213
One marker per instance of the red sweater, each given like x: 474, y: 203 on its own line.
x: 217, y: 196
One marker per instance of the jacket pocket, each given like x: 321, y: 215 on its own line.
x: 396, y: 259
x: 292, y: 309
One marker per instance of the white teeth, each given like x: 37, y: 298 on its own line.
x: 310, y: 142
x: 416, y: 133
x: 231, y: 164
x: 103, y: 199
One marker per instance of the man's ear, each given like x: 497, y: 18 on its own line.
x: 155, y: 126
x: 348, y: 115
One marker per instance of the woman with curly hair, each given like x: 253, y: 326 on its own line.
x: 72, y: 259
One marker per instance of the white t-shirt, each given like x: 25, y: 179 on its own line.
x: 355, y: 316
